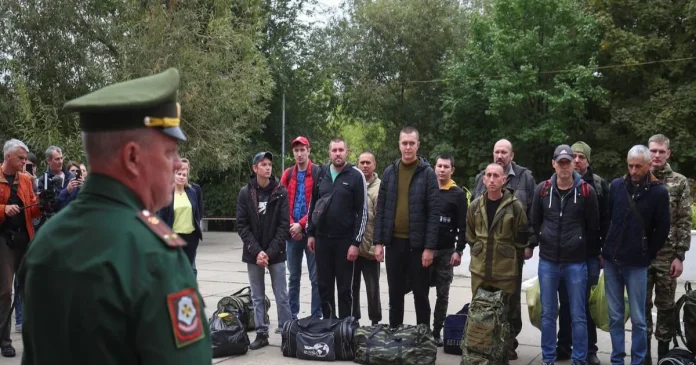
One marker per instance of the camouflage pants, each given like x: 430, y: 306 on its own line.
x: 441, y: 278
x: 665, y: 290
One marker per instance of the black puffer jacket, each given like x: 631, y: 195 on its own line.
x: 564, y: 226
x: 423, y: 206
x: 271, y: 237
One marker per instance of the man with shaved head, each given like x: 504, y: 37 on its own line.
x: 499, y: 213
x: 520, y: 180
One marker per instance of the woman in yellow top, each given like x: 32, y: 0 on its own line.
x: 183, y: 214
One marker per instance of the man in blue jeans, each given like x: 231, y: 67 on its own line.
x: 581, y: 155
x: 640, y: 218
x: 300, y: 180
x: 565, y: 217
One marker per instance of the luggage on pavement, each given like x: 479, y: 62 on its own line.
x: 404, y: 345
x: 487, y: 332
x: 227, y: 335
x: 677, y: 356
x: 312, y: 338
x: 454, y: 330
x: 241, y: 305
x: 688, y: 303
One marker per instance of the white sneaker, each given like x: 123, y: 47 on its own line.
x: 18, y: 328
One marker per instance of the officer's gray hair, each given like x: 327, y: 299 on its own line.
x: 639, y: 151
x: 50, y: 150
x: 659, y: 139
x: 101, y: 147
x: 12, y: 145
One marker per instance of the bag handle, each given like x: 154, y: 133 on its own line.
x: 314, y: 318
x: 677, y: 309
x: 374, y: 332
x: 465, y: 309
x: 242, y: 290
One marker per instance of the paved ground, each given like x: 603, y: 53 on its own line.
x: 221, y: 272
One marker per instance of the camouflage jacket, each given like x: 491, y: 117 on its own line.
x: 679, y: 238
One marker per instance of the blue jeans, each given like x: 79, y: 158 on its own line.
x: 294, y: 250
x: 574, y: 276
x: 18, y: 304
x: 565, y: 335
x: 257, y: 275
x: 635, y: 280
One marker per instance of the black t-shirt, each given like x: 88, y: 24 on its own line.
x: 492, y: 207
x: 17, y: 221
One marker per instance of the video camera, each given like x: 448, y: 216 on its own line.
x: 47, y: 197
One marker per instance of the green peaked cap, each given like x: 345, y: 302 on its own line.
x: 146, y: 102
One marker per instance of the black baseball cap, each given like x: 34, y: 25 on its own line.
x: 260, y: 156
x: 563, y: 152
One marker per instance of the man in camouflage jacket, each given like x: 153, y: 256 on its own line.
x: 667, y: 267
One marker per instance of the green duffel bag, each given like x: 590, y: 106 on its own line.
x: 486, y: 336
x: 241, y: 305
x: 404, y: 345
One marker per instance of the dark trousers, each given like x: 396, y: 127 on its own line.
x: 565, y: 334
x: 9, y: 263
x: 370, y: 271
x: 515, y: 299
x: 334, y: 271
x: 405, y: 272
x: 191, y: 246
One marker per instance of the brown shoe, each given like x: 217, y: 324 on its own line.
x: 512, y: 354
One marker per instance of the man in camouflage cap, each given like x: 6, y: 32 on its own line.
x: 105, y: 281
x: 668, y: 266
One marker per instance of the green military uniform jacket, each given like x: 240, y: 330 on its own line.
x: 679, y: 238
x: 494, y: 252
x: 105, y: 282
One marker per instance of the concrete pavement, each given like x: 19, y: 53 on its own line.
x: 221, y: 272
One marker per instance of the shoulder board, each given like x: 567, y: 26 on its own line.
x: 161, y: 229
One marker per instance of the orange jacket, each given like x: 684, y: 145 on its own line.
x: 26, y: 194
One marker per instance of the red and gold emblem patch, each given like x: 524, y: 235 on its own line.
x: 185, y: 314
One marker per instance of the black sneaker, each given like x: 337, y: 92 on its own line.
x: 592, y: 359
x: 261, y: 341
x: 8, y: 351
x: 563, y: 353
x: 374, y: 323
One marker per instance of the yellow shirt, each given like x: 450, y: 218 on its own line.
x: 183, y: 214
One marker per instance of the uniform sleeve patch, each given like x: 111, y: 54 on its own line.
x: 185, y: 315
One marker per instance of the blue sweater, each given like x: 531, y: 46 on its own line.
x: 627, y: 241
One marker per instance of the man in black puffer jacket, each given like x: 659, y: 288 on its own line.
x: 407, y: 221
x: 263, y: 224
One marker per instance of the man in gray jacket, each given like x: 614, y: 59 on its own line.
x: 520, y: 180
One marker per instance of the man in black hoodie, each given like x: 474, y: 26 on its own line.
x: 407, y: 222
x: 336, y: 224
x: 263, y: 225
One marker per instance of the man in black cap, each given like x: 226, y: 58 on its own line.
x: 108, y: 268
x: 565, y: 218
x: 263, y: 225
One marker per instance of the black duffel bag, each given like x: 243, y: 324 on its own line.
x: 326, y: 339
x: 677, y: 356
x: 228, y: 335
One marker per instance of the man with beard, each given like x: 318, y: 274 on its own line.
x: 338, y: 217
x: 668, y: 265
x: 520, y: 180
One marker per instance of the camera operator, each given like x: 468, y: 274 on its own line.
x: 54, y: 161
x: 70, y: 193
x: 18, y: 204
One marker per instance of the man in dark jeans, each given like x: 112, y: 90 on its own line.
x: 339, y: 201
x: 407, y: 222
x: 581, y: 156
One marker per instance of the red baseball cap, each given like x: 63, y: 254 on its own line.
x: 301, y: 140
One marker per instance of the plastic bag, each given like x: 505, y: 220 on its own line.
x: 227, y: 335
x: 534, y: 303
x: 599, y: 306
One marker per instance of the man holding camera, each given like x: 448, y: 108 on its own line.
x: 70, y: 193
x: 19, y: 206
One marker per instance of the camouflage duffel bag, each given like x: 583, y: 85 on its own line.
x: 487, y: 330
x: 404, y: 345
x: 241, y: 305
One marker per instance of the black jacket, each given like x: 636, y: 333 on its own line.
x: 628, y: 241
x: 565, y: 226
x: 167, y: 213
x: 453, y: 206
x: 423, y: 206
x: 601, y: 187
x: 346, y: 215
x: 275, y: 232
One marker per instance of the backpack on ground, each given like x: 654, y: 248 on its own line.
x: 242, y: 306
x: 454, y: 330
x: 688, y: 303
x: 485, y: 339
x: 227, y: 335
x: 404, y: 345
x: 325, y: 339
x: 677, y: 356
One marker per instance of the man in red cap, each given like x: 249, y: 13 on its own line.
x: 299, y: 180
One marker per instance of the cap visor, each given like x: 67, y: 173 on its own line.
x: 174, y: 132
x: 564, y: 157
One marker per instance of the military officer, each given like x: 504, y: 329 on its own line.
x: 668, y: 265
x: 496, y: 212
x: 104, y: 281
